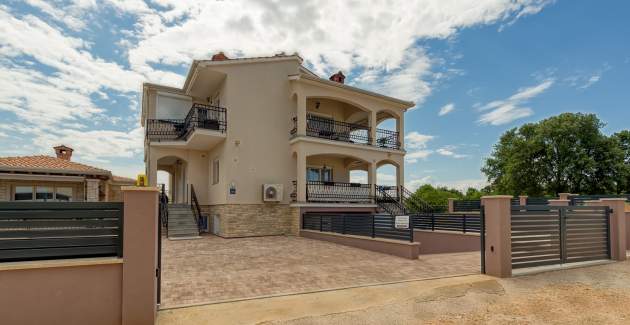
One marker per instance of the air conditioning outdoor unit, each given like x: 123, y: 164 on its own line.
x: 272, y: 192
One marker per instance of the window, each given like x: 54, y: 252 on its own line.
x: 316, y: 174
x: 327, y: 174
x: 43, y: 193
x: 23, y: 193
x: 63, y: 194
x: 312, y: 174
x: 215, y: 171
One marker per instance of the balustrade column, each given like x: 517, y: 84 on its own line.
x: 372, y: 178
x: 301, y: 115
x: 301, y: 176
x: 373, y: 128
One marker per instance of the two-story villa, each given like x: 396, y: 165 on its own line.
x: 259, y: 141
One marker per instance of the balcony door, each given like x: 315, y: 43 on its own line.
x: 319, y: 174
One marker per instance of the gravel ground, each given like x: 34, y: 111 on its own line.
x: 590, y: 295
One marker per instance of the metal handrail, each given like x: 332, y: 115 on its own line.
x: 163, y: 207
x: 414, y: 203
x: 194, y: 205
x: 389, y: 203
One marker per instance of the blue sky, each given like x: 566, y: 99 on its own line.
x: 72, y: 70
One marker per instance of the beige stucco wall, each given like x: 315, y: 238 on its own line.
x: 196, y: 168
x: 339, y: 111
x: 7, y: 188
x: 82, y: 294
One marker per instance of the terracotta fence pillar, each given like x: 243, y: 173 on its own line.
x: 618, y: 236
x: 139, y: 285
x: 564, y: 196
x: 522, y: 199
x: 451, y: 205
x: 498, y: 244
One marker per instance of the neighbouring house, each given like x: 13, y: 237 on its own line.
x: 47, y: 178
x: 260, y: 141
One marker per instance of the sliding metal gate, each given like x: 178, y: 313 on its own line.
x: 545, y: 235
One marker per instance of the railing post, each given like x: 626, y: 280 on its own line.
x: 373, y: 227
x: 432, y: 222
x: 464, y: 225
x: 320, y: 223
x: 618, y: 237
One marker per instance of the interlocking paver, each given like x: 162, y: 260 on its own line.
x: 213, y: 268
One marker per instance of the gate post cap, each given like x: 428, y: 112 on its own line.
x: 140, y: 188
x: 496, y: 197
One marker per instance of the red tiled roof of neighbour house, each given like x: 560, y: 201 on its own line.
x: 122, y: 179
x: 48, y: 164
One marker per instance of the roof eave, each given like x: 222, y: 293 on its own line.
x: 403, y: 104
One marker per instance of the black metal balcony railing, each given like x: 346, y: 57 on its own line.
x: 199, y: 117
x: 317, y: 191
x: 325, y: 128
x: 387, y: 139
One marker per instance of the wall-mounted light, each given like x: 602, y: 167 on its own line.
x: 317, y: 105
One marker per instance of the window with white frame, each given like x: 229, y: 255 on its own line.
x: 23, y: 193
x: 319, y: 174
x: 42, y: 193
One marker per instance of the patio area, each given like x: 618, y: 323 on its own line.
x: 215, y: 269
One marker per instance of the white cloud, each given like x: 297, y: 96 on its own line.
x: 66, y: 16
x: 415, y: 156
x: 510, y: 109
x: 448, y: 151
x: 582, y: 80
x: 415, y: 140
x: 416, y: 145
x: 446, y: 109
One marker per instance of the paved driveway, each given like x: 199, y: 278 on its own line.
x: 215, y: 269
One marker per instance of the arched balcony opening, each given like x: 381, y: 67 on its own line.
x: 333, y: 178
x: 172, y: 172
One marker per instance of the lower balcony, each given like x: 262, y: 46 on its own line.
x: 336, y: 192
x: 203, y: 127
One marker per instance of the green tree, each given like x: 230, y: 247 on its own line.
x: 623, y: 174
x: 564, y: 153
x: 437, y: 196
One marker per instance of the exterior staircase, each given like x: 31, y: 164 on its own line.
x: 400, y: 201
x: 181, y: 222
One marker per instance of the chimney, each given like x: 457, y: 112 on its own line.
x: 63, y: 152
x: 220, y: 57
x: 338, y: 77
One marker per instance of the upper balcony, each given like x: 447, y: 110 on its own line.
x: 330, y: 129
x: 203, y: 127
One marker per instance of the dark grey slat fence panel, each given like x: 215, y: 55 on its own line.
x: 555, y: 235
x: 379, y: 226
x: 466, y: 205
x: 48, y: 230
x: 587, y: 234
x: 448, y: 222
x: 535, y: 237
